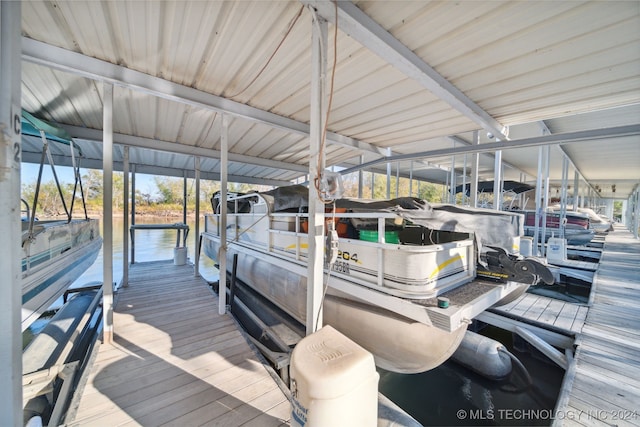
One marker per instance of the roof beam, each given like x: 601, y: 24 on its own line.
x: 458, y: 140
x: 559, y: 138
x: 155, y: 144
x: 360, y: 27
x: 31, y: 157
x: 78, y: 64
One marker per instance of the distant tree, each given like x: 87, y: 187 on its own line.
x: 430, y: 192
x: 92, y: 182
x: 170, y: 189
x: 49, y: 201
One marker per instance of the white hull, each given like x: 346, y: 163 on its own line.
x: 384, y: 296
x: 56, y: 256
x: 391, y: 338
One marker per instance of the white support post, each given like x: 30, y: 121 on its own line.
x: 107, y: 223
x: 125, y: 228
x: 497, y: 181
x: 10, y: 157
x: 464, y: 180
x: 576, y: 188
x: 545, y: 199
x: 563, y: 194
x: 388, y: 174
x: 319, y: 42
x: 636, y: 217
x: 133, y: 208
x: 452, y: 181
x: 475, y: 164
x: 222, y: 257
x: 360, y: 178
x: 184, y: 197
x: 196, y: 167
x: 536, y: 232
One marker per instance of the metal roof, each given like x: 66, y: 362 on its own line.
x: 411, y: 76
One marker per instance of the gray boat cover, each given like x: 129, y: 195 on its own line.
x: 491, y: 228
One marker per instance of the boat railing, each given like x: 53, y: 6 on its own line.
x: 285, y: 234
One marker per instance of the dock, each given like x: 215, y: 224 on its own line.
x: 602, y: 384
x: 545, y: 311
x: 176, y: 361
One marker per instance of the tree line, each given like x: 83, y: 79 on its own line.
x: 169, y: 196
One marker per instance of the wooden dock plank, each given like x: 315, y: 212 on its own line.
x: 566, y: 317
x: 602, y: 381
x: 525, y: 303
x: 541, y: 309
x: 535, y: 311
x: 172, y: 356
x: 552, y: 312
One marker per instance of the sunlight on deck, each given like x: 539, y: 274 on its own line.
x: 176, y: 361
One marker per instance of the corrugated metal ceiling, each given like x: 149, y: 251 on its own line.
x: 520, y: 62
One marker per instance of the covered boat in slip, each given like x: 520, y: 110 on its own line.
x: 409, y: 276
x: 54, y: 252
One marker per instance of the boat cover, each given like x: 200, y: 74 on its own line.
x: 491, y: 228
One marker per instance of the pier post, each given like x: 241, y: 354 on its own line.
x: 107, y: 219
x: 360, y: 178
x: 319, y: 42
x: 497, y: 181
x: 475, y: 164
x: 222, y: 257
x: 196, y: 262
x: 10, y: 157
x: 125, y: 228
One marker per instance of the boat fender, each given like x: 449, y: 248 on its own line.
x: 483, y: 356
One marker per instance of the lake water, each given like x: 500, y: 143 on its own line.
x: 449, y: 395
x: 151, y: 245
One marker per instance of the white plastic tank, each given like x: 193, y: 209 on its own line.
x: 556, y: 249
x: 333, y: 382
x: 180, y: 255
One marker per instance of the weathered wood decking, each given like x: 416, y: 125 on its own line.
x: 546, y: 311
x: 176, y: 361
x: 602, y: 385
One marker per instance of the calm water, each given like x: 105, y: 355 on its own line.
x: 452, y: 395
x: 449, y: 395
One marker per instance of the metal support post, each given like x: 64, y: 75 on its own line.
x: 133, y: 209
x: 475, y: 164
x: 536, y: 230
x: 497, y: 181
x: 316, y: 166
x: 576, y: 188
x: 222, y: 257
x: 10, y: 229
x: 452, y: 181
x: 563, y: 194
x: 196, y: 167
x: 125, y: 228
x: 388, y: 175
x: 360, y: 178
x: 107, y: 224
x: 184, y: 197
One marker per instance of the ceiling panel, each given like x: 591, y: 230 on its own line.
x: 575, y: 65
